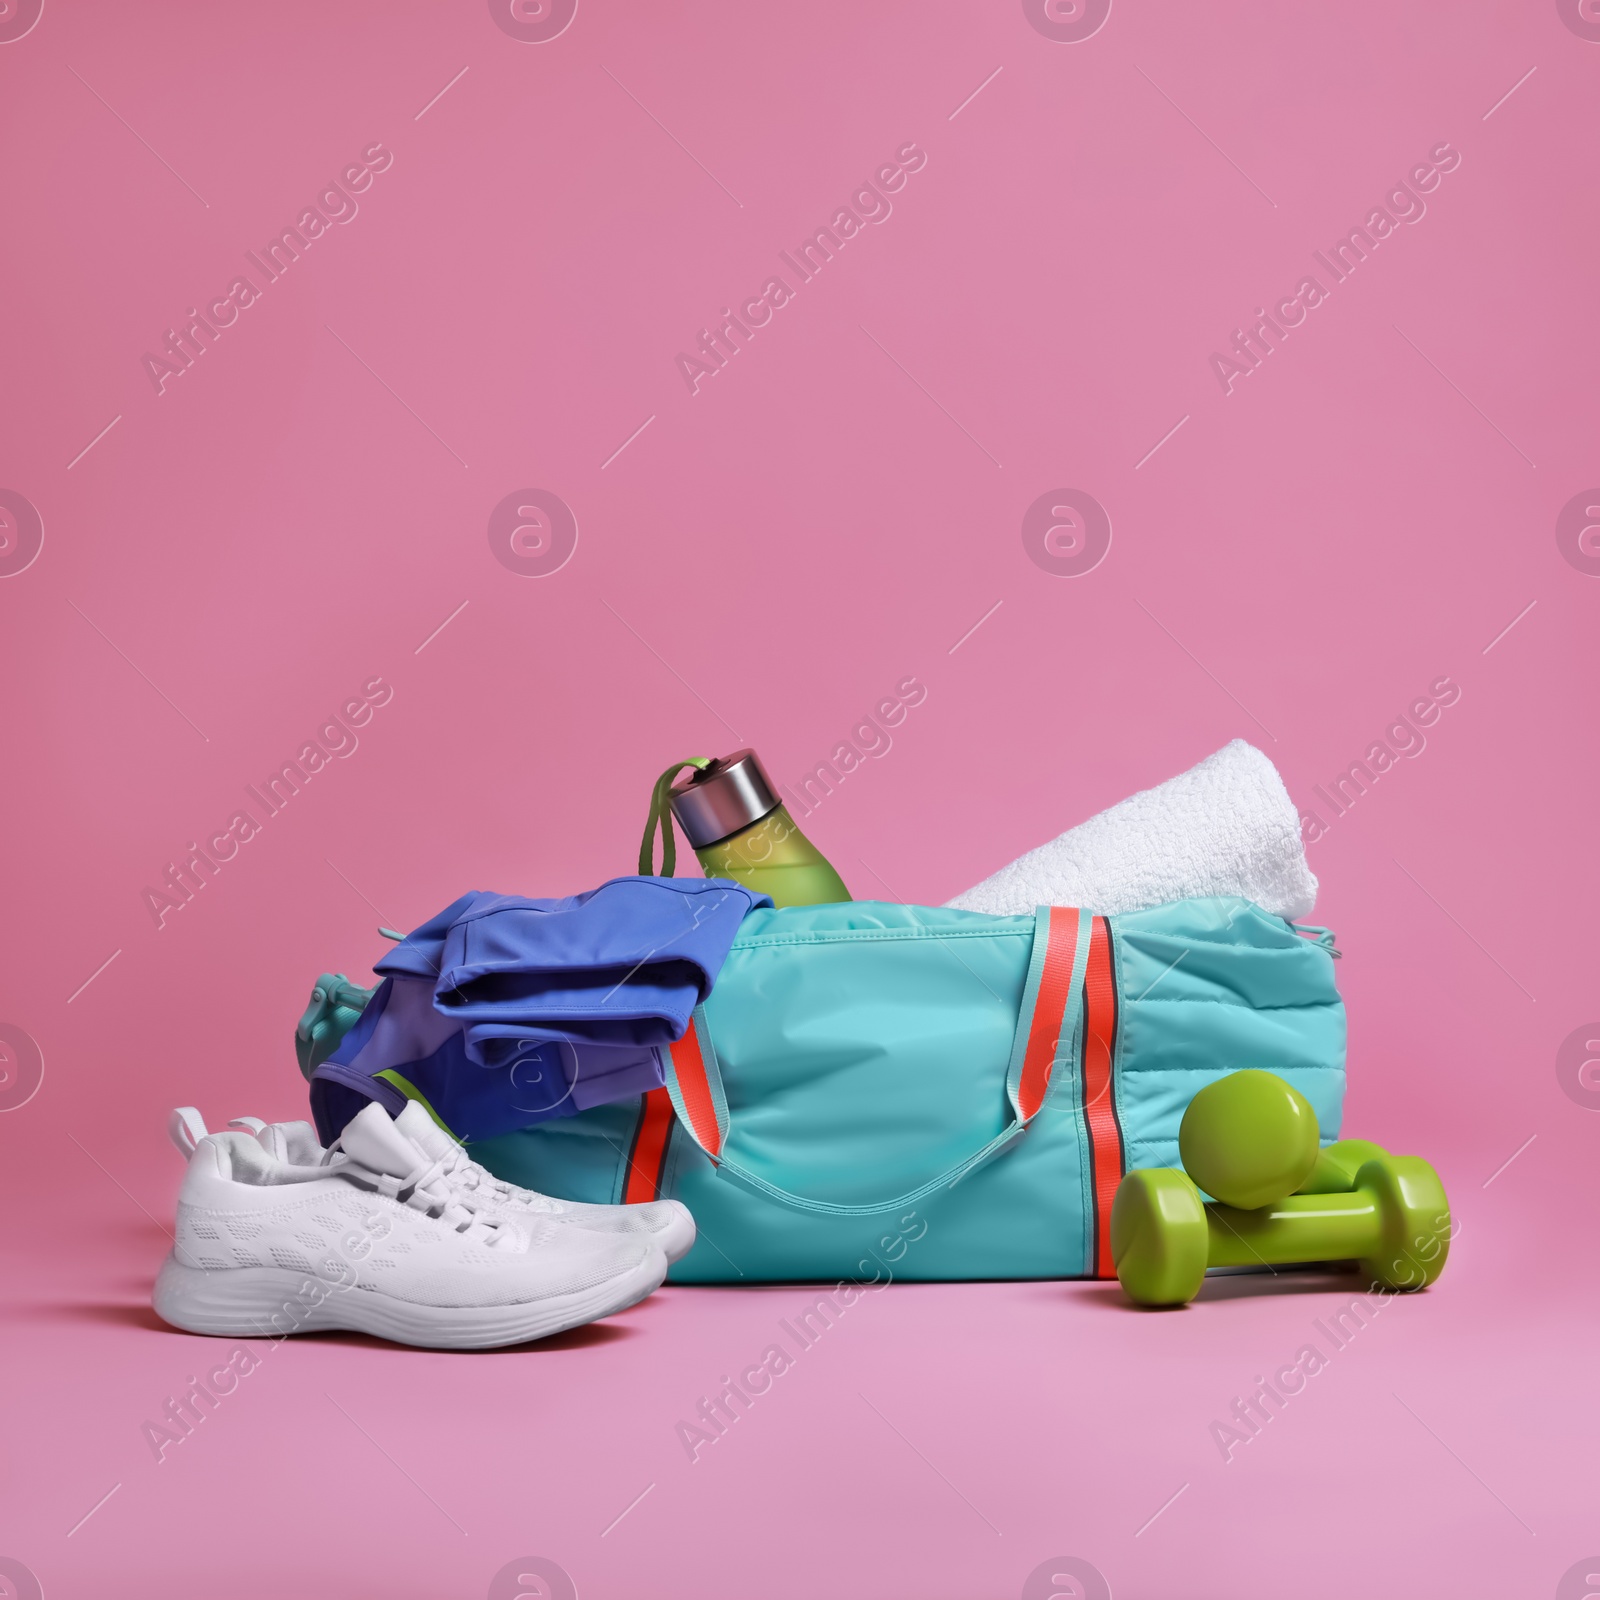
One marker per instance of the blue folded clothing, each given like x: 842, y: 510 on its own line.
x: 624, y: 964
x: 503, y: 1011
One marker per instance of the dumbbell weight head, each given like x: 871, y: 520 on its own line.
x: 1159, y: 1237
x: 1249, y: 1139
x: 1414, y: 1221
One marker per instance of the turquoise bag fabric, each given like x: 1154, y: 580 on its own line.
x: 944, y: 1094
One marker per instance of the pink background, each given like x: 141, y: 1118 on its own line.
x: 835, y: 511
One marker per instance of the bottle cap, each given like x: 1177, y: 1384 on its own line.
x: 723, y: 797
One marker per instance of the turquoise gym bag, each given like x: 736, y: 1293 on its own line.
x: 943, y: 1094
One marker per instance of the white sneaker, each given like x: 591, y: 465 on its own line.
x: 378, y: 1240
x: 665, y: 1223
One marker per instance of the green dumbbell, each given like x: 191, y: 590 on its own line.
x: 1251, y: 1140
x: 1395, y: 1222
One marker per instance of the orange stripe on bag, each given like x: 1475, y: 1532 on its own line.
x: 648, y: 1157
x: 1044, y: 1031
x: 1099, y: 1097
x: 690, y: 1065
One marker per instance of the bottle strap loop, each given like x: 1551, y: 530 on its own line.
x: 661, y: 817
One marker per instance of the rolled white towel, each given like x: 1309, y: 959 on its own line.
x: 1224, y: 827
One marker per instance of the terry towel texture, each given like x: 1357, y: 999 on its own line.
x: 1225, y: 827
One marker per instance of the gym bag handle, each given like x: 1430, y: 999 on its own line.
x: 1047, y: 1027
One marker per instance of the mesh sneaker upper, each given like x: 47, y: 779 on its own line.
x: 666, y: 1223
x: 238, y: 1208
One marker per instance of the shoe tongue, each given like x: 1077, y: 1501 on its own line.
x: 301, y: 1146
x: 379, y: 1144
x: 415, y: 1123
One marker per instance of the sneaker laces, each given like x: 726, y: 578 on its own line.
x: 435, y: 1188
x: 477, y: 1185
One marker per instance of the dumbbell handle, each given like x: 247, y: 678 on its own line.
x: 1338, y: 1165
x: 1326, y: 1219
x: 1395, y: 1221
x: 1303, y: 1227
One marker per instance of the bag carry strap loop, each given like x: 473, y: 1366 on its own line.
x: 1047, y: 1021
x: 695, y: 1084
x: 1101, y: 1125
x: 1047, y: 1029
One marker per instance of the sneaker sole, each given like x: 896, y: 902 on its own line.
x: 270, y: 1302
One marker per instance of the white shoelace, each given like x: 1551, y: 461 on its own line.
x: 475, y: 1181
x: 436, y: 1188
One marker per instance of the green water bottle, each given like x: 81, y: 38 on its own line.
x: 731, y: 814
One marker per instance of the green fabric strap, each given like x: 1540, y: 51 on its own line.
x: 661, y: 816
